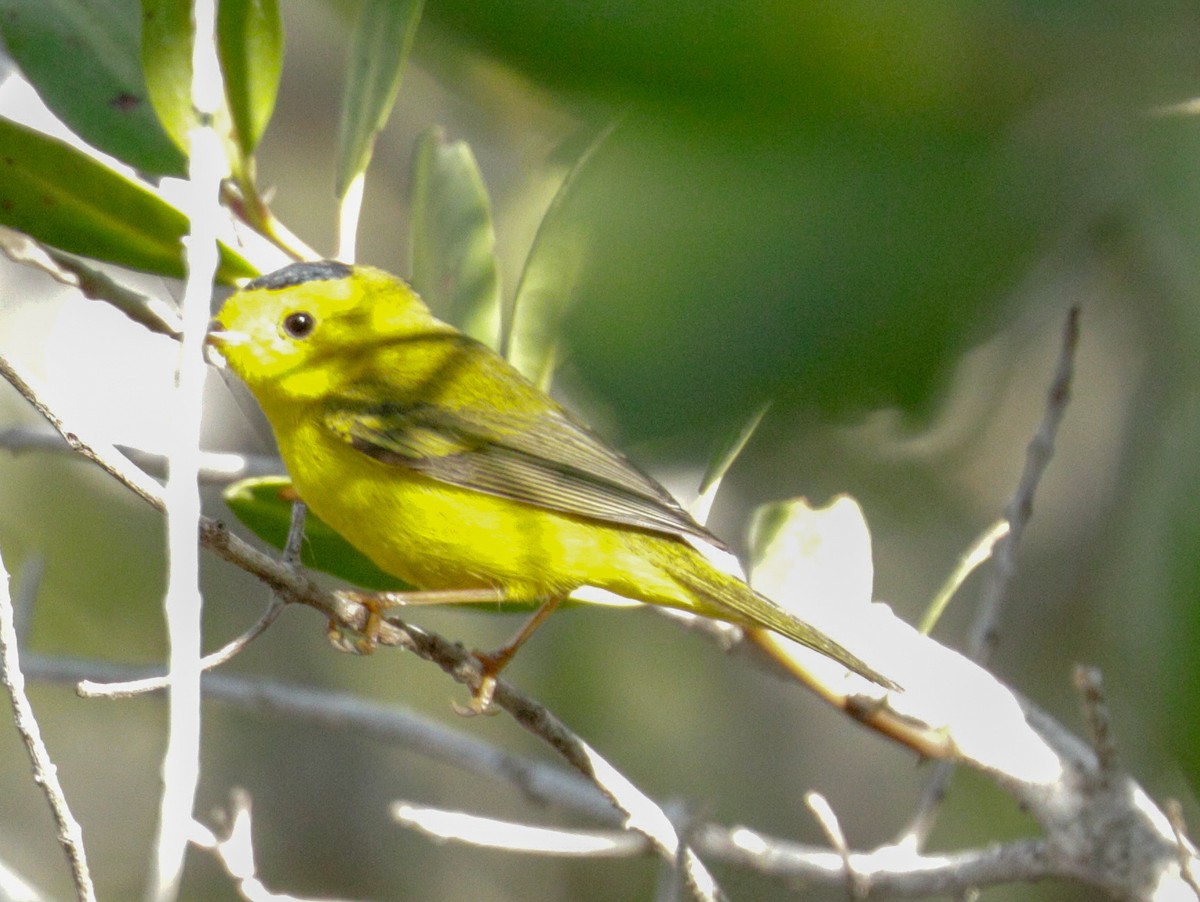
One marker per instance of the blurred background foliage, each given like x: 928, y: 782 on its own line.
x: 874, y: 215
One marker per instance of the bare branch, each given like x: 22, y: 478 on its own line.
x: 832, y: 828
x: 510, y: 836
x: 540, y: 783
x: 236, y: 852
x: 148, y: 311
x: 216, y: 468
x: 141, y: 686
x: 45, y: 774
x: 1090, y: 684
x: 982, y: 638
x: 892, y: 871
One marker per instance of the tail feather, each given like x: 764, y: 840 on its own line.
x: 728, y: 598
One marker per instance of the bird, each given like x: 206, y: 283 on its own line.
x: 438, y: 460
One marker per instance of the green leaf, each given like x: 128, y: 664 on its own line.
x: 453, y: 244
x: 66, y: 199
x: 83, y: 58
x: 250, y: 42
x: 529, y: 329
x: 264, y: 505
x: 378, y: 51
x: 166, y: 55
x: 728, y: 452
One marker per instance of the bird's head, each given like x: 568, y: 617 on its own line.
x: 301, y: 330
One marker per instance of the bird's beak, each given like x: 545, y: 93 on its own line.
x: 219, y: 337
x: 217, y: 340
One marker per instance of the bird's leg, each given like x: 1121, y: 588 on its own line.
x: 379, y: 603
x: 494, y: 662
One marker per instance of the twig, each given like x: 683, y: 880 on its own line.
x: 208, y: 165
x: 982, y: 637
x: 141, y: 686
x: 891, y: 871
x: 974, y: 557
x: 827, y: 819
x: 151, y: 312
x: 511, y: 836
x: 1090, y: 684
x: 539, y: 782
x: 236, y: 852
x: 70, y: 834
x: 216, y: 468
x: 1187, y: 849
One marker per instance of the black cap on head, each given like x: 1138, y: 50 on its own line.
x: 299, y: 273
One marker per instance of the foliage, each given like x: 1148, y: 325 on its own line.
x: 685, y: 210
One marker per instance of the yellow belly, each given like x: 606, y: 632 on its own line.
x: 439, y: 536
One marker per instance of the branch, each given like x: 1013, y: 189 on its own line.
x: 216, y: 468
x: 45, y: 774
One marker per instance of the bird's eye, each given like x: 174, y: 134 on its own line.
x: 299, y: 324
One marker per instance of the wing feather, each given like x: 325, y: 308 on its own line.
x: 545, y: 459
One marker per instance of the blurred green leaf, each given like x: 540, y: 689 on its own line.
x: 728, y: 452
x: 250, y: 42
x: 530, y: 326
x: 264, y: 505
x: 453, y: 245
x: 378, y: 51
x: 68, y: 200
x: 84, y: 59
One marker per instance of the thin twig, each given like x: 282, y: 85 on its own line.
x: 891, y: 871
x: 216, y: 468
x: 236, y: 852
x: 511, y: 836
x: 827, y: 819
x: 1090, y: 684
x: 982, y: 637
x: 540, y: 783
x: 151, y: 312
x: 45, y: 774
x: 211, y: 661
x: 1187, y: 849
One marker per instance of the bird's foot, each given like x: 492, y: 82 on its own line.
x: 358, y: 642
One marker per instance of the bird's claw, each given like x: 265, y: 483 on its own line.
x: 358, y: 642
x: 482, y: 699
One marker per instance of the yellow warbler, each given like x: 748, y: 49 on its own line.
x: 441, y: 463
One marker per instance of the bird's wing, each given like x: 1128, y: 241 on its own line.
x: 544, y: 459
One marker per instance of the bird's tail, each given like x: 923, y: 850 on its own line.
x: 726, y: 597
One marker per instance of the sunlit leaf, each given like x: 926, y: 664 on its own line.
x: 84, y: 59
x: 378, y: 51
x: 808, y: 558
x: 166, y: 55
x: 70, y: 201
x: 453, y: 245
x: 250, y: 43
